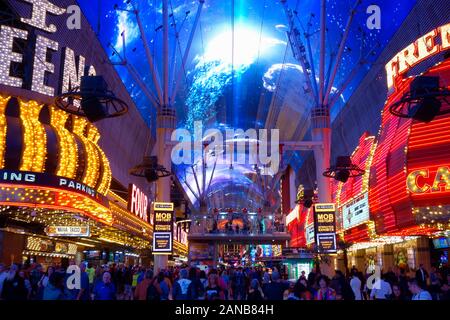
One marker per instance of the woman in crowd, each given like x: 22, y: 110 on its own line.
x: 397, y: 293
x: 213, y: 290
x: 255, y: 293
x: 324, y: 292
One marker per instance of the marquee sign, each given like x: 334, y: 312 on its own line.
x: 428, y: 45
x: 325, y: 226
x: 67, y: 231
x: 356, y: 211
x: 138, y: 202
x: 44, y: 180
x: 163, y: 215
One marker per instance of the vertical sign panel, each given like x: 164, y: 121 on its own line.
x: 325, y: 227
x: 163, y: 213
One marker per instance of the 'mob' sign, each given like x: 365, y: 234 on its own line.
x: 325, y: 227
x: 163, y: 216
x: 138, y: 202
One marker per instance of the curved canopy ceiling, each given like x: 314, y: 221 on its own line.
x: 240, y: 72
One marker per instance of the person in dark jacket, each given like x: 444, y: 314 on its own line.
x: 422, y: 276
x: 183, y: 288
x: 255, y: 293
x: 275, y: 289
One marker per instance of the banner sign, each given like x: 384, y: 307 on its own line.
x: 356, y: 211
x: 35, y: 179
x: 163, y: 216
x: 67, y: 231
x: 325, y: 226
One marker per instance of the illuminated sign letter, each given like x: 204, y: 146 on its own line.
x: 71, y: 76
x: 7, y: 35
x: 411, y: 181
x: 442, y: 176
x: 445, y: 36
x: 39, y: 14
x: 41, y: 65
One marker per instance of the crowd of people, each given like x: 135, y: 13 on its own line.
x: 120, y: 282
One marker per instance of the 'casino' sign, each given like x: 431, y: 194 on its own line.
x: 429, y: 180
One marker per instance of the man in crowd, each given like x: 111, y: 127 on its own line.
x: 381, y: 289
x: 105, y: 289
x: 418, y: 292
x: 422, y: 276
x: 182, y: 288
x: 275, y: 289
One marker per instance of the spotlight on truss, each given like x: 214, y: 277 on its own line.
x: 343, y: 170
x: 424, y: 100
x: 91, y: 100
x: 306, y: 197
x: 150, y: 169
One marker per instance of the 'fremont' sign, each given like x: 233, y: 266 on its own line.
x: 428, y: 45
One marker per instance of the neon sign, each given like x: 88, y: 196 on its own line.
x: 138, y: 202
x: 421, y: 49
x: 421, y: 181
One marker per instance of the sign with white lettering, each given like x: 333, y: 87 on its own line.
x: 138, y: 202
x: 356, y: 211
x: 67, y: 231
x: 163, y: 216
x: 428, y: 45
x: 27, y: 178
x: 45, y: 78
